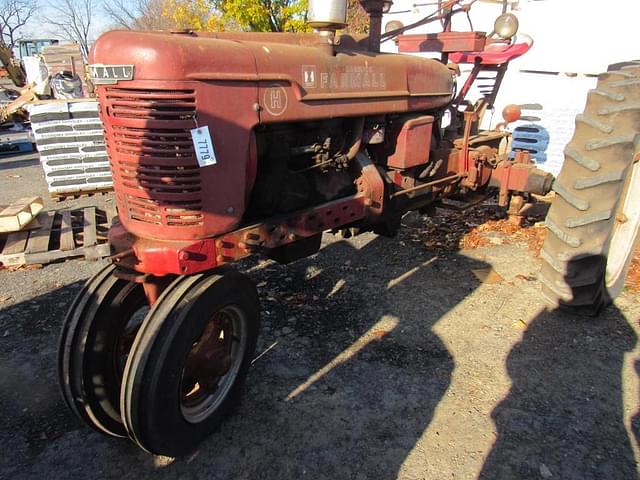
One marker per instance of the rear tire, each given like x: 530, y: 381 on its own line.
x: 594, y: 220
x: 189, y: 360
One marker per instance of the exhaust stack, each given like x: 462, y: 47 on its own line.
x: 327, y: 15
x: 375, y: 9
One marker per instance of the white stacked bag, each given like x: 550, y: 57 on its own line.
x: 70, y: 139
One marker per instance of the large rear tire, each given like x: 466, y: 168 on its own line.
x: 189, y: 360
x: 594, y: 221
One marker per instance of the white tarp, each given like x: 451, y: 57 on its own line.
x: 575, y: 37
x: 37, y: 74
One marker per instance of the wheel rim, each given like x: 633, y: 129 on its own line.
x: 625, y: 231
x: 91, y: 344
x: 125, y: 340
x: 103, y: 378
x: 213, y: 364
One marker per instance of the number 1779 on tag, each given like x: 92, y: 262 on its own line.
x: 203, y: 146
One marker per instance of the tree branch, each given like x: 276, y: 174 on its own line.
x: 14, y: 14
x: 73, y: 19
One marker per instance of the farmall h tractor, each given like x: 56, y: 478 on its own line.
x: 226, y: 145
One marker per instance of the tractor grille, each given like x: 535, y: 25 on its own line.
x: 152, y: 104
x: 154, y: 162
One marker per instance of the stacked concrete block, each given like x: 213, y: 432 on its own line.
x: 70, y: 139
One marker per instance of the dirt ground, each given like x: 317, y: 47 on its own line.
x: 385, y: 358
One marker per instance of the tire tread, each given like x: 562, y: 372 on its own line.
x: 590, y: 184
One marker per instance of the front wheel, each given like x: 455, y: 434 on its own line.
x: 594, y: 221
x: 186, y: 368
x: 96, y: 336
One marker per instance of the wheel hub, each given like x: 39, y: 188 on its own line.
x: 210, y: 357
x: 626, y: 229
x: 211, y: 366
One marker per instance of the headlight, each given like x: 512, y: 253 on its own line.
x: 506, y: 26
x: 393, y: 25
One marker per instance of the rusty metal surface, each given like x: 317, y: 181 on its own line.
x: 413, y: 143
x: 160, y: 189
x: 184, y: 81
x: 283, y: 231
x: 162, y: 258
x: 297, y: 81
x: 442, y: 42
x: 520, y: 175
x: 256, y: 93
x: 188, y: 257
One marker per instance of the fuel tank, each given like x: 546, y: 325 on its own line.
x: 154, y: 88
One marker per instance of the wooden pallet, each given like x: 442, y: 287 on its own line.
x: 63, y: 234
x: 62, y: 196
x: 19, y: 214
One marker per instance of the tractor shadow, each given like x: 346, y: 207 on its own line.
x: 352, y: 372
x: 9, y: 161
x: 350, y: 385
x: 564, y: 416
x: 357, y: 371
x: 352, y: 368
x: 32, y: 413
x: 635, y: 421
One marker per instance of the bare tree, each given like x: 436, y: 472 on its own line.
x: 72, y: 18
x: 122, y: 13
x: 14, y: 14
x: 138, y: 14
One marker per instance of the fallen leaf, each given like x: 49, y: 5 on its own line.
x: 487, y: 275
x: 521, y: 325
x: 633, y: 277
x: 380, y: 333
x: 20, y: 268
x: 525, y: 278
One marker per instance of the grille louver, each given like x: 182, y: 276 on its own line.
x: 152, y: 153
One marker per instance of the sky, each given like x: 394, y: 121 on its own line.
x: 38, y: 28
x: 570, y: 35
x: 577, y: 36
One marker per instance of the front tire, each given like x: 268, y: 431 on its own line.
x: 96, y: 337
x: 188, y: 363
x: 594, y: 221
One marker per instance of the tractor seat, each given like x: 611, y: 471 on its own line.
x: 494, y: 53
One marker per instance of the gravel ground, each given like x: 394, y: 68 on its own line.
x: 387, y: 360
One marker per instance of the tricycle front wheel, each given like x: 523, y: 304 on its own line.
x: 96, y: 337
x: 189, y: 360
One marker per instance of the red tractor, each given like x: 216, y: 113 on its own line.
x: 226, y: 145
